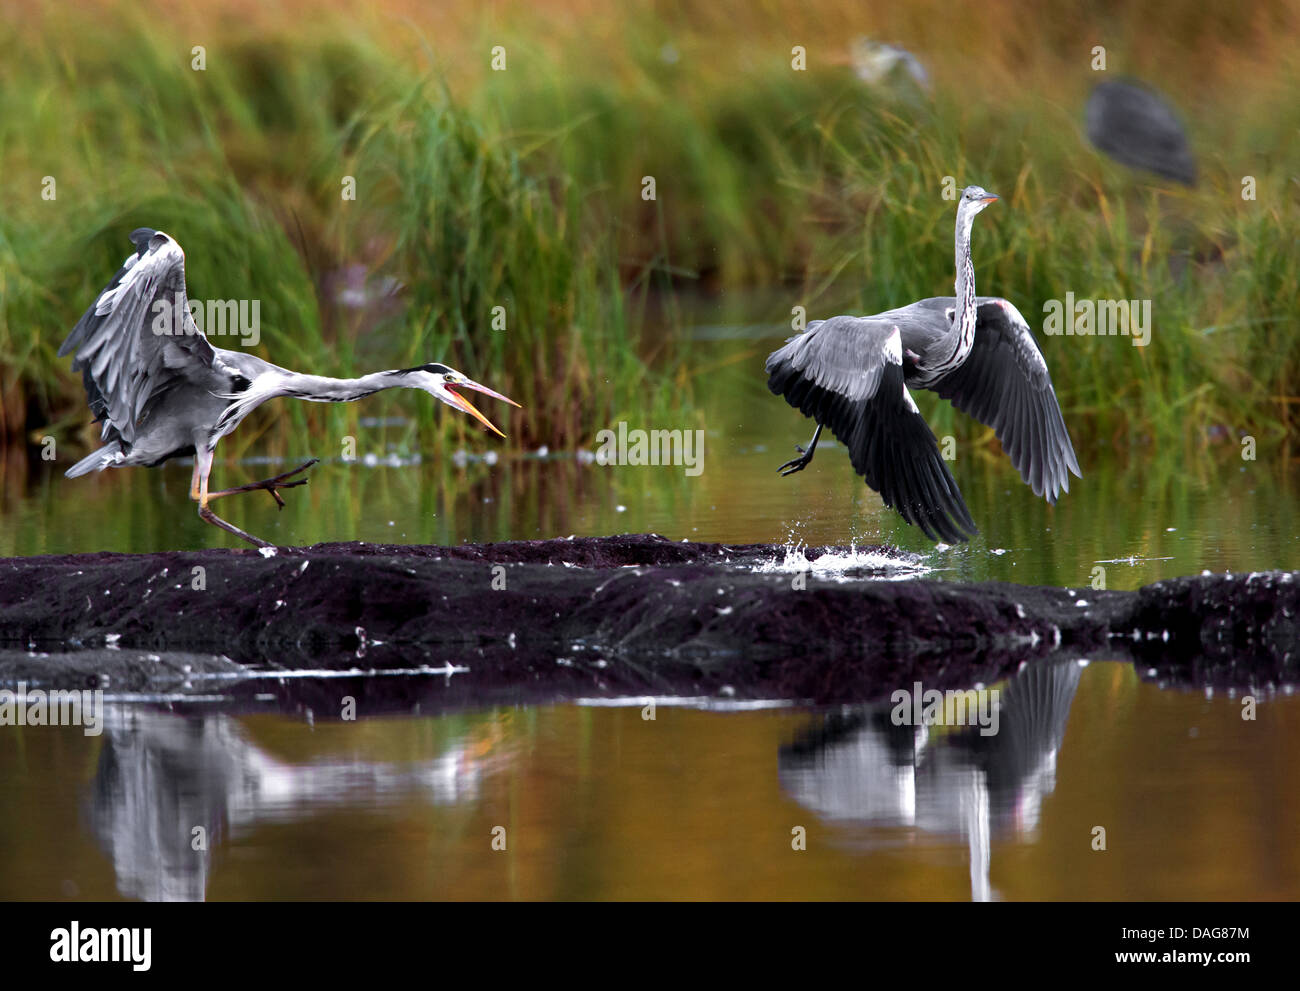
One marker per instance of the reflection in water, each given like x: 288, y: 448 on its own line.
x: 162, y: 776
x: 858, y: 769
x: 601, y: 803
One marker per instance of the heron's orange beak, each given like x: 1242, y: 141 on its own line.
x: 989, y: 199
x: 468, y: 407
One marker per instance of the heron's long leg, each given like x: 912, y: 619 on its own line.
x: 202, y: 467
x: 270, y: 484
x: 799, y: 464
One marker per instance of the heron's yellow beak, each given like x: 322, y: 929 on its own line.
x: 463, y: 403
x: 468, y: 407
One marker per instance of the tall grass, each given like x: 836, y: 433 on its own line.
x: 245, y: 167
x: 503, y: 268
x: 523, y: 190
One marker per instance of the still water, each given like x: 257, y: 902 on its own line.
x: 597, y: 802
x: 593, y: 800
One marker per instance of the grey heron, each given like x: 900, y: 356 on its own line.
x: 876, y: 62
x: 162, y: 390
x: 852, y: 374
x: 1133, y: 124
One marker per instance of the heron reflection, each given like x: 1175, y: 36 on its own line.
x: 858, y: 768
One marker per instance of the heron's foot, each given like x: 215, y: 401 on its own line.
x: 797, y: 464
x: 208, y: 516
x: 271, y: 484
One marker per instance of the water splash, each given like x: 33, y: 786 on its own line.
x: 845, y: 566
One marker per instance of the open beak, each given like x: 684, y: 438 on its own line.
x: 468, y: 407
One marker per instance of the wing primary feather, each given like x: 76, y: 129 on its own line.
x: 1005, y: 384
x: 847, y: 373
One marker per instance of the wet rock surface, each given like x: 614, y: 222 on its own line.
x: 628, y: 615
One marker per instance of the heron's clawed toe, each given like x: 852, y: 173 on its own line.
x: 278, y: 481
x: 796, y: 464
x: 289, y: 474
x: 272, y: 484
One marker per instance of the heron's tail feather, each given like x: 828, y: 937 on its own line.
x: 105, y: 457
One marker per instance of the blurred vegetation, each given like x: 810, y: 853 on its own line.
x: 479, y: 188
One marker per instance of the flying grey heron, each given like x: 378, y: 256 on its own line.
x: 162, y: 390
x: 852, y: 374
x: 1133, y: 124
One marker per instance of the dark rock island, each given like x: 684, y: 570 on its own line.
x: 611, y: 616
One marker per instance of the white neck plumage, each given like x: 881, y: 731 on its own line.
x: 962, y: 334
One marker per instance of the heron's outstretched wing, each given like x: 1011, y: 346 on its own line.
x: 847, y: 373
x: 1004, y: 383
x: 138, y: 339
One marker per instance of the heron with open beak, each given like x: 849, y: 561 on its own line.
x: 162, y: 390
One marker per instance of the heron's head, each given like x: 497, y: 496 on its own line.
x: 973, y: 200
x: 441, y: 382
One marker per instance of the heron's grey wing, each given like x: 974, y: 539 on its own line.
x: 1004, y: 383
x: 138, y: 339
x: 847, y: 373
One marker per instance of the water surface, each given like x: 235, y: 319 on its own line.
x: 600, y: 802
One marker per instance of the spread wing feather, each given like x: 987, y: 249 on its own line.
x: 1004, y: 383
x: 847, y: 373
x: 125, y: 363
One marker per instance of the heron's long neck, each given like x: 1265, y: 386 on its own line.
x: 275, y: 381
x: 323, y: 389
x: 962, y: 334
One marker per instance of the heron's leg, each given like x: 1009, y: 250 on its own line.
x: 202, y: 467
x: 799, y: 464
x: 270, y: 484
